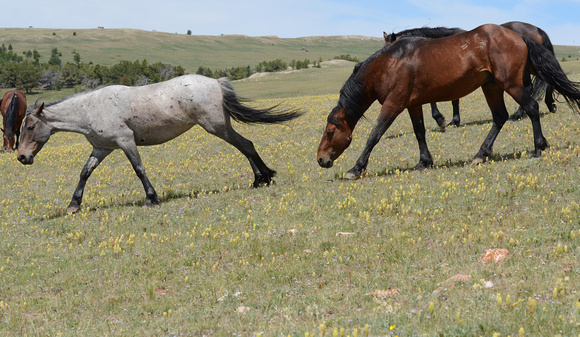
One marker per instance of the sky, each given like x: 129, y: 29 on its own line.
x: 296, y: 18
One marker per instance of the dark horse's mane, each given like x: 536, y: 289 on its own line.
x: 353, y: 94
x: 428, y: 32
x: 11, y: 114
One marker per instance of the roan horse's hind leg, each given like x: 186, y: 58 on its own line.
x: 262, y: 174
x: 95, y: 159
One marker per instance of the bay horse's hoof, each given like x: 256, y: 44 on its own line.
x: 72, y: 209
x: 351, y: 176
x: 477, y: 161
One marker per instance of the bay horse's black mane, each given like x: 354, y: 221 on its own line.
x: 353, y: 94
x: 434, y: 32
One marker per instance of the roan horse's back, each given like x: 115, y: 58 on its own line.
x: 154, y: 113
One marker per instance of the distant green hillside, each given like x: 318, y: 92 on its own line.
x: 109, y: 46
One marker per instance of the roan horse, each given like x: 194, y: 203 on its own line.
x: 537, y: 87
x: 13, y: 107
x: 415, y: 71
x: 119, y: 117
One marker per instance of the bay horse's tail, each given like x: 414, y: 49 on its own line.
x: 545, y: 64
x: 244, y: 114
x: 10, y: 117
x: 540, y: 87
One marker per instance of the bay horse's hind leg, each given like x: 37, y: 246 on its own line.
x: 494, y: 96
x: 437, y: 116
x: 94, y: 160
x: 456, y: 118
x: 530, y: 105
x: 425, y: 158
x: 549, y: 99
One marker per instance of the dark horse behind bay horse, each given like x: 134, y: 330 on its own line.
x: 414, y: 71
x: 120, y: 117
x: 537, y: 87
x: 13, y: 107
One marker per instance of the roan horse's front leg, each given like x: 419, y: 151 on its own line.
x: 95, y: 159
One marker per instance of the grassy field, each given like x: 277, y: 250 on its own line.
x: 398, y: 252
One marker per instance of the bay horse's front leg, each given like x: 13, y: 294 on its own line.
x: 384, y: 121
x: 425, y: 158
x: 132, y: 154
x: 94, y: 160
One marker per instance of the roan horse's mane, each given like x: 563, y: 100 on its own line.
x: 34, y: 106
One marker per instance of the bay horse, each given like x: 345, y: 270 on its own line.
x: 120, y: 117
x: 13, y: 107
x: 415, y: 71
x: 537, y: 87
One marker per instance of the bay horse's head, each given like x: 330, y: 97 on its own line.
x: 389, y: 38
x: 335, y: 139
x: 9, y: 139
x: 35, y: 133
x: 354, y: 100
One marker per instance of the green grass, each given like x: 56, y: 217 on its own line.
x: 218, y: 257
x: 215, y: 246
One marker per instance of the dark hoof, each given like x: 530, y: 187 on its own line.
x: 515, y: 117
x: 421, y: 166
x: 454, y: 123
x: 264, y: 180
x: 152, y: 202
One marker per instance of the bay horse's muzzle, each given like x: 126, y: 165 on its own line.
x: 326, y: 163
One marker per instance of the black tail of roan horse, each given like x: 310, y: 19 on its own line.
x: 545, y: 64
x: 244, y: 114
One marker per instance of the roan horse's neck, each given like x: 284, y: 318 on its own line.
x: 61, y: 118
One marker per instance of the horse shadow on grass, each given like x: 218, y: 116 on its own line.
x: 496, y: 157
x: 165, y: 197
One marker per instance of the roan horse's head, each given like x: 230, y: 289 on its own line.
x: 35, y: 133
x: 335, y: 138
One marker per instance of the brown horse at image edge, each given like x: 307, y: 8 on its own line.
x: 416, y: 71
x: 13, y: 107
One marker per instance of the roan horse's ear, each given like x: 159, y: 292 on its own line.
x: 38, y: 110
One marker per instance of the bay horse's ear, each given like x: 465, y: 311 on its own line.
x: 386, y: 36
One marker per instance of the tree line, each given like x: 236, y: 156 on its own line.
x: 238, y: 73
x: 27, y: 72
